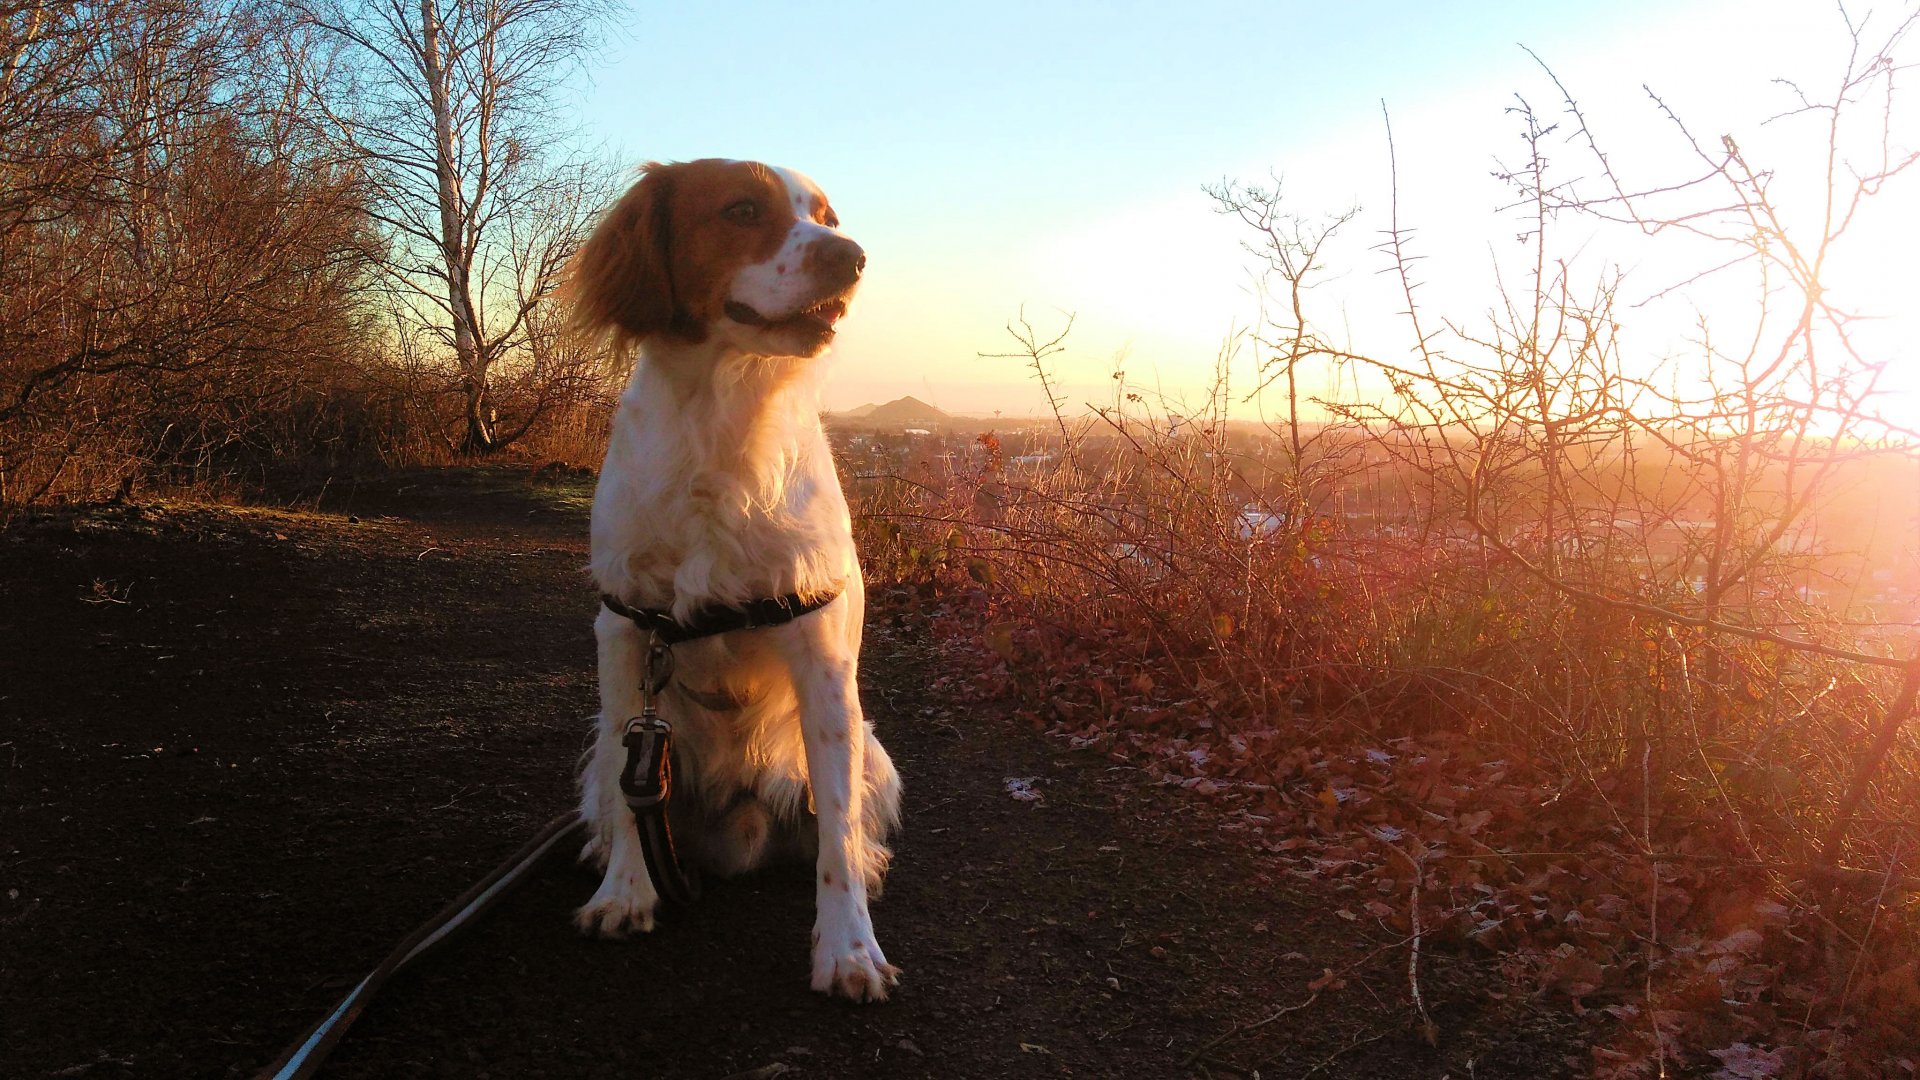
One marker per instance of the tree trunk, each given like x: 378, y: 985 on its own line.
x: 481, y: 434
x: 483, y: 423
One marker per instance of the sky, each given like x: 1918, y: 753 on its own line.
x: 1048, y: 158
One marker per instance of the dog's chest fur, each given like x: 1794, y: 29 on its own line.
x: 717, y: 492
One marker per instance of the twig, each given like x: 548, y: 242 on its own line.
x: 1902, y: 882
x: 1349, y: 1048
x: 1534, y: 570
x: 1238, y: 1030
x: 1653, y: 902
x: 1429, y: 1030
x: 764, y: 1072
x: 1879, y: 904
x: 1896, y: 718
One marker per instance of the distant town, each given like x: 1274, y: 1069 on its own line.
x: 1857, y: 553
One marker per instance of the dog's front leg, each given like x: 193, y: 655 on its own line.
x: 626, y: 897
x: 846, y: 956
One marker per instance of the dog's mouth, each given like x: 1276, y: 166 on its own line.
x: 817, y: 320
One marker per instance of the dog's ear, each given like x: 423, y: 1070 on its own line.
x: 621, y: 283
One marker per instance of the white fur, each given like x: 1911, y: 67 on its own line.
x: 718, y: 488
x: 776, y: 288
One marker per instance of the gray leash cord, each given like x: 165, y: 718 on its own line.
x: 306, y: 1055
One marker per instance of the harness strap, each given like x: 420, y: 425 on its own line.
x: 712, y: 621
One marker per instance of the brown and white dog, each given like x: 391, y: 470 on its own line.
x: 718, y: 489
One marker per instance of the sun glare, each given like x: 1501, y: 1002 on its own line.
x: 1158, y: 286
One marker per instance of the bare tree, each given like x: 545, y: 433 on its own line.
x: 451, y: 106
x: 1291, y: 249
x: 174, y: 260
x: 1685, y: 506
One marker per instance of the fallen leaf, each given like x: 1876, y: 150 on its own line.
x: 1574, y: 974
x: 1000, y: 639
x: 1021, y: 788
x: 1743, y: 1062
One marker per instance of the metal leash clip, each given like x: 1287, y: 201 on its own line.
x: 647, y: 780
x: 648, y: 777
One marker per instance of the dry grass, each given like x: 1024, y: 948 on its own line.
x: 1654, y: 771
x: 1174, y: 592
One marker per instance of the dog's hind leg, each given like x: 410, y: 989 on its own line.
x: 626, y: 897
x: 738, y: 839
x: 879, y: 811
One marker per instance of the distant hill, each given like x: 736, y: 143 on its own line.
x: 906, y: 412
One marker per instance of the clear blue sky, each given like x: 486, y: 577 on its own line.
x: 990, y: 155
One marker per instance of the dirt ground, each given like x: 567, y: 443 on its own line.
x: 244, y: 751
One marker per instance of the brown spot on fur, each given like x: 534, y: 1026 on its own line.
x: 826, y: 878
x: 662, y: 258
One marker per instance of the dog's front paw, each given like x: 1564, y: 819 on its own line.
x: 624, y: 902
x: 852, y: 967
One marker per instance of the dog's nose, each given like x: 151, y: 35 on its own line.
x: 841, y: 262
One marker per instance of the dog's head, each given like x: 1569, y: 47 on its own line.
x: 737, y: 250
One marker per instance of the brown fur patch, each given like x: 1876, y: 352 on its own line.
x: 662, y: 258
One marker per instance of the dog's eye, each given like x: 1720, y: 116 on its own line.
x: 831, y: 221
x: 744, y: 212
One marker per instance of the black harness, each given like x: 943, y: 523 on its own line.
x: 647, y: 778
x: 713, y: 621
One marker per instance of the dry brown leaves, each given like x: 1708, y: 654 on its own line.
x: 1687, y: 961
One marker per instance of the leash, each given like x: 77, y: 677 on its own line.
x: 304, y: 1057
x: 646, y: 781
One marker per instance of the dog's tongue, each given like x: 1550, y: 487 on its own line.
x: 744, y: 315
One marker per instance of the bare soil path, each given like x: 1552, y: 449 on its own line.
x: 244, y: 751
